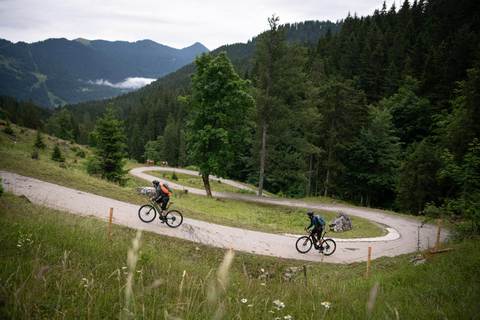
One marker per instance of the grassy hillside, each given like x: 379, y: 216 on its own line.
x: 54, y: 265
x: 15, y: 156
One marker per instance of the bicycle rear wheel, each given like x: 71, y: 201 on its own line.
x: 147, y: 213
x: 173, y: 218
x: 304, y: 244
x: 329, y: 247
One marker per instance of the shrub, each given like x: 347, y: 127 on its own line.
x: 80, y: 153
x: 93, y: 166
x: 174, y: 176
x: 8, y: 129
x: 57, y: 154
x: 35, y: 154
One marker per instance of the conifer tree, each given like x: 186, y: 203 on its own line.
x: 109, y: 137
x: 57, y: 154
x: 39, y: 144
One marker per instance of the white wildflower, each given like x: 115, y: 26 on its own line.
x: 244, y: 300
x: 326, y: 304
x: 279, y: 304
x: 263, y: 284
x: 250, y: 305
x: 288, y: 317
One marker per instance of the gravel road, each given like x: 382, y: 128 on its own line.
x: 402, y: 236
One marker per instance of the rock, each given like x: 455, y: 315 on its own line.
x: 341, y: 223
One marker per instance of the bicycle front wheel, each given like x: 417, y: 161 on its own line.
x: 304, y: 244
x: 329, y: 247
x: 173, y: 218
x: 147, y: 213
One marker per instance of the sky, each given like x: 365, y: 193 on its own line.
x: 177, y: 23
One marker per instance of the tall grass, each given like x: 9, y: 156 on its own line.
x: 55, y: 265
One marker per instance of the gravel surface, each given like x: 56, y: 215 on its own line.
x: 283, y: 246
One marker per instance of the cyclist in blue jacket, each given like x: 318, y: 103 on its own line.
x: 317, y: 222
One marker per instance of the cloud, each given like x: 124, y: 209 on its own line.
x: 128, y: 84
x: 176, y: 23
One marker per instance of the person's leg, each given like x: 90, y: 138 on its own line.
x: 319, y: 236
x: 165, y: 202
x: 315, y: 237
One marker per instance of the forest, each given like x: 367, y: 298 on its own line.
x: 382, y: 110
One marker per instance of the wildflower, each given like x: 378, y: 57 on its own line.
x: 279, y: 304
x: 271, y: 311
x: 124, y: 268
x: 262, y: 270
x: 244, y: 300
x: 250, y: 305
x: 85, y: 279
x: 288, y: 317
x: 263, y: 284
x: 326, y: 304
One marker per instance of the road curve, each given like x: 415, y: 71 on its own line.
x: 262, y: 243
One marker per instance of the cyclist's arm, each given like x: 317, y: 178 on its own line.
x: 311, y: 225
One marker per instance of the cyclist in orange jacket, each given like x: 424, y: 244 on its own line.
x: 162, y: 193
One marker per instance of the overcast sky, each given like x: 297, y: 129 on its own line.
x: 177, y: 23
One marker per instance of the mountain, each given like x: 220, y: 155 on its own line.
x: 160, y: 97
x: 60, y: 71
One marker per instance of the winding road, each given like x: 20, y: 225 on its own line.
x: 401, y: 238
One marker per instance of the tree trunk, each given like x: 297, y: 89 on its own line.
x: 327, y: 178
x: 263, y: 154
x: 310, y: 173
x: 206, y: 183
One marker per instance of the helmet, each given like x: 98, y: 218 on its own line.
x: 310, y: 213
x: 155, y: 182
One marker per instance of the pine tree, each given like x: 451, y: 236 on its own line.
x: 218, y: 124
x: 57, y: 154
x: 110, y: 146
x: 374, y: 159
x: 268, y: 54
x: 39, y: 144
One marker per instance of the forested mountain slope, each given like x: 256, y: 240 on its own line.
x: 59, y: 71
x: 383, y: 112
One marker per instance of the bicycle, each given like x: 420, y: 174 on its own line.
x: 148, y: 212
x: 305, y: 243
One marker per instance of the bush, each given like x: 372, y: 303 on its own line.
x: 80, y: 153
x: 57, y: 154
x: 174, y: 176
x: 93, y: 166
x: 8, y: 129
x: 35, y: 154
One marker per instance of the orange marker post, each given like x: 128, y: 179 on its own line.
x: 110, y: 219
x: 439, y: 228
x: 369, y: 259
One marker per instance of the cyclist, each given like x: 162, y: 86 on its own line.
x: 162, y: 193
x: 317, y: 222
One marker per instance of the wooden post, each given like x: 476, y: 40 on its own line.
x: 305, y: 274
x: 439, y: 228
x: 367, y: 273
x: 110, y: 219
